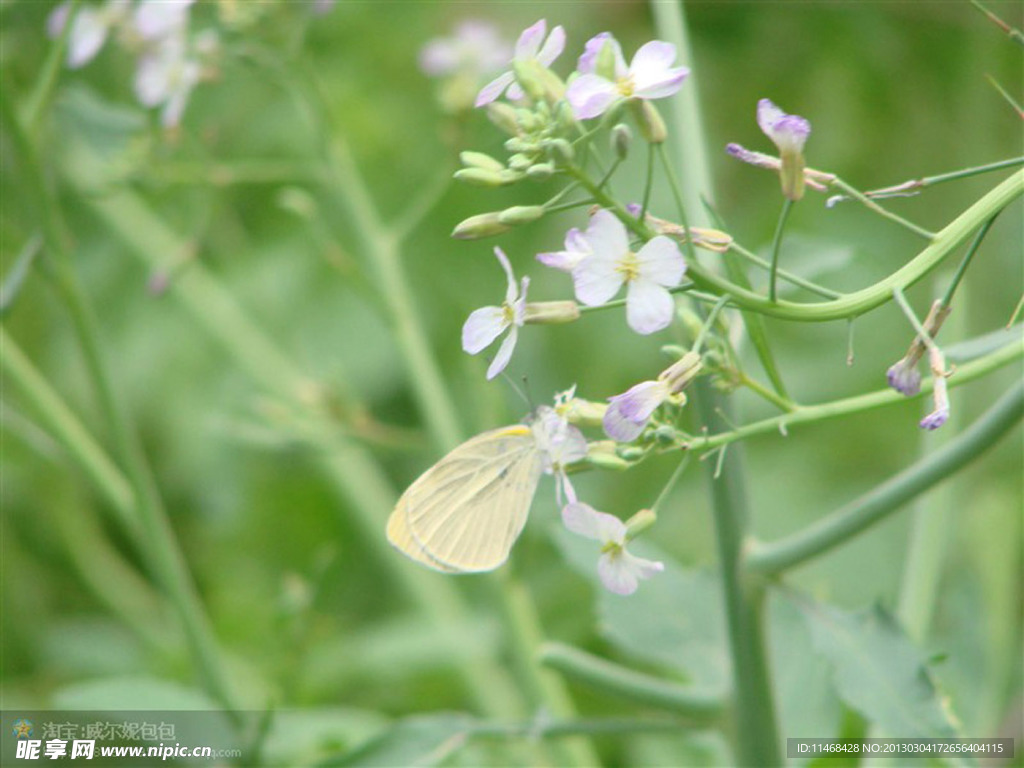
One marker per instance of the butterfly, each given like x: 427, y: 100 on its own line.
x: 464, y: 513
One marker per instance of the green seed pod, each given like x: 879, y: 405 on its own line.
x: 649, y: 121
x: 622, y: 137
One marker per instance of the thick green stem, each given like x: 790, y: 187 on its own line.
x: 847, y: 522
x: 756, y: 737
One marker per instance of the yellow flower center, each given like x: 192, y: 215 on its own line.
x: 508, y: 313
x: 628, y: 266
x: 625, y: 85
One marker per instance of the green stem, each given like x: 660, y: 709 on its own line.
x: 965, y: 262
x: 382, y: 248
x: 157, y: 537
x: 58, y: 420
x: 648, y: 183
x: 783, y: 403
x: 787, y: 206
x: 912, y: 187
x: 603, y: 675
x: 908, y: 312
x: 844, y: 524
x: 789, y: 277
x: 805, y: 414
x: 866, y: 201
x: 756, y: 735
x: 705, y: 329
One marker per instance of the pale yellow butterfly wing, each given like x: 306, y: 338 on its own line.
x: 464, y: 514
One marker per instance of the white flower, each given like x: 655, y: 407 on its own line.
x: 531, y: 46
x: 89, y: 30
x: 165, y: 77
x: 476, y: 48
x: 619, y: 570
x: 648, y: 273
x: 649, y: 76
x: 576, y: 250
x: 561, y: 444
x: 486, y: 324
x: 628, y: 413
x: 158, y: 19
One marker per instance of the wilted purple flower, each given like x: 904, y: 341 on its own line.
x: 649, y: 76
x: 531, y: 46
x: 940, y: 393
x: 486, y: 324
x: 475, y: 48
x: 904, y: 377
x: 648, y: 273
x: 789, y: 133
x: 619, y: 570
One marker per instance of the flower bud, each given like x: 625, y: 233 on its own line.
x: 480, y: 160
x: 540, y: 171
x: 604, y: 65
x: 791, y: 174
x: 521, y: 214
x: 649, y: 121
x: 622, y: 137
x: 518, y: 144
x: 640, y: 522
x: 551, y: 312
x: 503, y: 116
x: 483, y: 177
x: 602, y: 453
x: 583, y: 413
x: 560, y: 150
x: 520, y: 162
x: 481, y: 225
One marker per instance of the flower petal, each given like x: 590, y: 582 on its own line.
x: 529, y: 41
x: 58, y: 19
x: 494, y: 89
x: 587, y: 62
x: 584, y: 520
x: 620, y: 571
x: 648, y: 307
x: 510, y: 290
x: 653, y: 75
x: 552, y: 47
x: 504, y: 353
x: 88, y: 33
x: 482, y: 327
x: 660, y: 261
x: 590, y: 95
x: 639, y: 401
x: 607, y: 236
x: 576, y: 249
x: 618, y: 427
x: 596, y: 281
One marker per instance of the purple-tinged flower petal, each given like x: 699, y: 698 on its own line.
x: 576, y: 250
x: 628, y: 413
x: 607, y: 236
x: 504, y: 353
x: 587, y: 62
x: 552, y: 47
x: 788, y: 132
x: 649, y: 307
x: 590, y: 95
x: 494, y: 89
x: 530, y: 40
x: 661, y: 262
x: 759, y: 159
x: 653, y: 75
x: 620, y: 572
x: 482, y: 327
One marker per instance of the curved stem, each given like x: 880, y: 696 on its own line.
x: 603, y: 675
x: 852, y: 519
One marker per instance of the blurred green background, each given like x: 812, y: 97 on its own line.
x: 308, y: 611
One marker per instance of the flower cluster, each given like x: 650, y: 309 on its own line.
x: 170, y: 60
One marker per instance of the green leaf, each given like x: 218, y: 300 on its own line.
x: 807, y: 700
x: 979, y: 346
x: 878, y: 671
x: 674, y: 618
x: 414, y: 742
x: 131, y: 692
